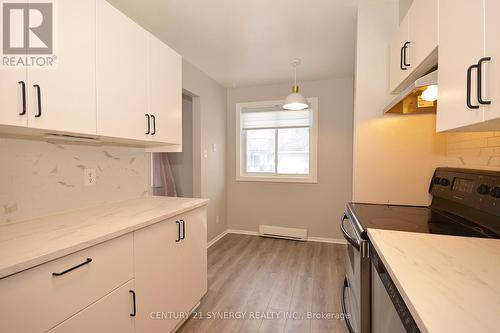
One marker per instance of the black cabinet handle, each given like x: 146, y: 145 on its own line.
x: 183, y: 229
x: 469, y: 77
x: 405, y: 48
x: 154, y: 125
x: 149, y: 127
x: 39, y: 98
x: 89, y: 260
x: 479, y: 81
x: 23, y: 89
x: 178, y: 231
x: 133, y: 303
x: 401, y: 56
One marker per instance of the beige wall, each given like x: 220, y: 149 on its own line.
x: 316, y: 207
x: 39, y: 178
x: 404, y: 5
x: 209, y: 117
x: 182, y: 162
x: 475, y: 150
x: 394, y: 156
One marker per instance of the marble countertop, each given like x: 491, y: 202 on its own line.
x: 33, y: 242
x: 449, y: 283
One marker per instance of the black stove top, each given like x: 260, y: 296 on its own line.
x: 415, y: 219
x: 465, y: 203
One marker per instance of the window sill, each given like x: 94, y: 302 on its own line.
x: 279, y: 179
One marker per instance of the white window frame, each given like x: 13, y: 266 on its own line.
x: 312, y: 177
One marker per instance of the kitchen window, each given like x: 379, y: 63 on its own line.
x: 274, y: 144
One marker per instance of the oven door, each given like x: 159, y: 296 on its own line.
x: 355, y: 295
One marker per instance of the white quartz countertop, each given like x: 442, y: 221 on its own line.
x: 33, y: 242
x: 449, y: 283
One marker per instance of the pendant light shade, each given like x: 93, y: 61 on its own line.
x: 295, y: 101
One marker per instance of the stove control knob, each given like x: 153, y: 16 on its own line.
x: 483, y: 189
x: 436, y: 180
x: 495, y: 193
x: 444, y: 182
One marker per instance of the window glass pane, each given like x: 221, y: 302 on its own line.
x: 260, y: 146
x: 293, y: 151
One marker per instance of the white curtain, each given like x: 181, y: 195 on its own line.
x: 163, y: 180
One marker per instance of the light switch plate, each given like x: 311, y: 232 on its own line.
x: 89, y: 177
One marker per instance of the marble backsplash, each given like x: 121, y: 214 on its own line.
x: 474, y: 150
x: 38, y: 178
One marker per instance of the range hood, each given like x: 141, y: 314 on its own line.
x: 410, y: 100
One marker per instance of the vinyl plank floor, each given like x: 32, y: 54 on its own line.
x: 258, y: 284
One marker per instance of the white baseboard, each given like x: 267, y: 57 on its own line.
x: 326, y: 240
x: 217, y: 238
x: 309, y: 239
x: 242, y: 232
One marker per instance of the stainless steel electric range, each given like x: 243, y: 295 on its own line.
x: 464, y: 203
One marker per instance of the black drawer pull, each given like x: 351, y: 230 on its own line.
x: 23, y: 89
x: 39, y: 99
x: 480, y: 79
x: 154, y: 124
x: 469, y: 71
x: 149, y: 126
x: 401, y: 56
x: 178, y: 231
x: 183, y: 229
x: 133, y: 303
x: 72, y: 268
x: 405, y: 48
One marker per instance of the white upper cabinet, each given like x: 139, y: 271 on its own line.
x: 112, y: 80
x: 164, y: 92
x: 67, y: 92
x: 491, y: 68
x: 121, y: 75
x: 460, y: 48
x: 399, y: 54
x: 423, y: 31
x: 469, y: 70
x: 13, y: 97
x: 413, y: 47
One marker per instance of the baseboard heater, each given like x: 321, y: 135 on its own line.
x: 282, y: 232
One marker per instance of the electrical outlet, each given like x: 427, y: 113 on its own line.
x: 89, y: 177
x: 217, y: 219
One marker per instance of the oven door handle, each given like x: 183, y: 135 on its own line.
x: 348, y: 237
x: 342, y: 304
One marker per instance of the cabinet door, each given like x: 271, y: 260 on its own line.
x: 492, y: 68
x: 193, y: 255
x: 157, y: 276
x: 423, y: 30
x: 121, y: 74
x: 397, y: 74
x: 460, y: 46
x: 68, y: 90
x: 111, y: 313
x: 165, y: 92
x: 11, y: 97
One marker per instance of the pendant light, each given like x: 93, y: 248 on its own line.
x: 295, y: 101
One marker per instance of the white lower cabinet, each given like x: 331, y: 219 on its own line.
x: 145, y: 281
x: 112, y: 313
x: 170, y: 260
x: 50, y: 293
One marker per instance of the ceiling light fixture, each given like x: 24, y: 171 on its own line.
x: 295, y: 101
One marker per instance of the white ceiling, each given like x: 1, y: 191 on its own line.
x: 243, y: 43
